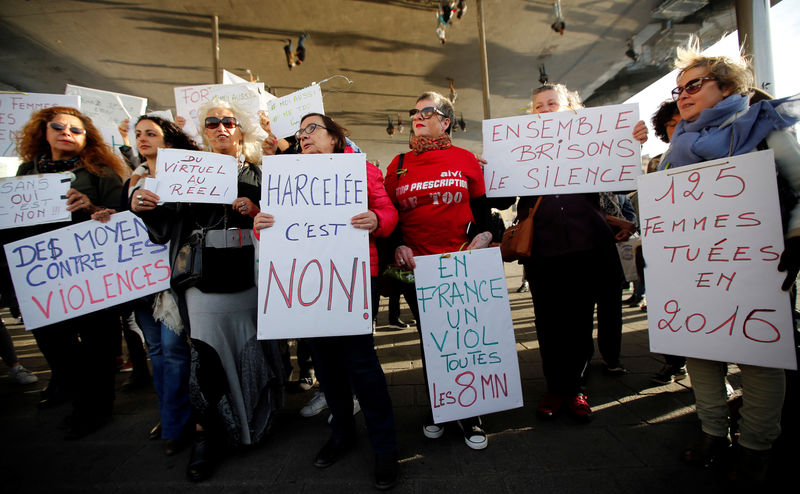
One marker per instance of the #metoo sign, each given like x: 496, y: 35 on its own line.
x: 712, y: 239
x: 85, y: 267
x: 314, y: 267
x: 467, y: 333
x: 568, y: 152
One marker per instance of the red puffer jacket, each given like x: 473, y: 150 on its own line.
x: 380, y: 204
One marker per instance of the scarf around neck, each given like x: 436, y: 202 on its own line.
x: 421, y: 144
x: 705, y: 139
x: 49, y: 165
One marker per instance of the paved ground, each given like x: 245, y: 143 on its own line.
x: 632, y: 445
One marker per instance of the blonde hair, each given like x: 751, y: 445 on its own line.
x: 567, y: 98
x: 730, y: 72
x: 251, y: 146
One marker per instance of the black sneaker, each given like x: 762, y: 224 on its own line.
x: 474, y: 435
x: 669, y: 374
x: 386, y: 470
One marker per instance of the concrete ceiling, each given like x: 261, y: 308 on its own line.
x: 387, y: 48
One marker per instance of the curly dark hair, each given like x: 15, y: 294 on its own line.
x: 334, y: 129
x: 174, y: 136
x: 665, y: 113
x: 96, y: 156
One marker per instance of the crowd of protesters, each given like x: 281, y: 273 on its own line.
x: 219, y: 386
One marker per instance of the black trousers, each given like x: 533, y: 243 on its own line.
x: 565, y: 290
x: 348, y: 364
x: 81, y: 353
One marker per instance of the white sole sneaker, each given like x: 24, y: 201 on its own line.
x: 433, y: 431
x: 474, y: 437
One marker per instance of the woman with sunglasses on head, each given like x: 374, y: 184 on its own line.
x: 716, y: 121
x: 236, y: 381
x: 446, y: 218
x: 574, y: 265
x: 80, y: 351
x: 349, y: 364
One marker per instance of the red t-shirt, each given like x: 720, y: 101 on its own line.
x: 432, y: 194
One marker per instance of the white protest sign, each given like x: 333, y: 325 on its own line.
x: 231, y: 78
x: 196, y: 176
x: 314, y: 267
x: 467, y: 333
x: 33, y: 199
x: 568, y: 152
x: 285, y: 113
x: 712, y: 239
x: 16, y: 110
x: 247, y: 96
x: 106, y: 108
x: 85, y: 267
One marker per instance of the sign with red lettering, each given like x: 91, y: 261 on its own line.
x: 467, y: 333
x: 85, y: 267
x: 250, y: 97
x: 589, y: 150
x: 195, y: 176
x: 34, y: 199
x: 16, y: 109
x: 712, y: 239
x: 313, y: 265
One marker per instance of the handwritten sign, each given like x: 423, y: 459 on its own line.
x: 285, y: 113
x: 196, y: 176
x: 591, y: 150
x: 33, y: 199
x: 712, y: 239
x: 468, y: 335
x: 250, y: 97
x: 314, y: 267
x: 85, y: 267
x: 107, y: 108
x: 16, y: 110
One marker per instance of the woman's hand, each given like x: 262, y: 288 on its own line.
x: 270, y: 144
x: 123, y: 131
x: 481, y: 240
x: 404, y: 257
x: 180, y: 121
x: 367, y: 220
x: 77, y: 201
x: 245, y: 207
x: 640, y: 132
x: 103, y: 215
x: 144, y: 200
x: 263, y: 220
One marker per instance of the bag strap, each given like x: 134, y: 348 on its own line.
x: 531, y: 211
x: 400, y: 170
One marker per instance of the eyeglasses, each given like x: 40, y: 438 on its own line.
x: 692, y: 87
x: 426, y: 112
x: 228, y: 122
x: 59, y: 127
x: 309, y: 129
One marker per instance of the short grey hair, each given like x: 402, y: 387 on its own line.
x: 442, y: 104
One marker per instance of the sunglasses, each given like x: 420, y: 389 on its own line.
x: 309, y: 129
x: 59, y: 127
x: 692, y: 87
x: 426, y: 112
x: 228, y: 122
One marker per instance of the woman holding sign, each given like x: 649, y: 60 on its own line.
x: 236, y: 381
x: 157, y: 315
x: 438, y: 216
x: 80, y: 351
x: 573, y: 253
x: 349, y: 363
x: 716, y: 122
